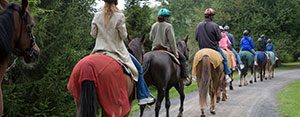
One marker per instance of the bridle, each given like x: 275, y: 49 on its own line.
x: 30, y: 50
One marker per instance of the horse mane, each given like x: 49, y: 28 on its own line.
x: 6, y: 30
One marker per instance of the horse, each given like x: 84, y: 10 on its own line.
x: 222, y: 92
x: 260, y: 68
x: 247, y: 60
x: 16, y: 37
x: 270, y: 65
x: 103, y: 83
x: 208, y: 69
x: 161, y: 70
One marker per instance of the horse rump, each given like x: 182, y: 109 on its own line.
x: 88, y: 100
x: 203, y: 78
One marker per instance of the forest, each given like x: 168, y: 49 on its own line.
x: 62, y: 29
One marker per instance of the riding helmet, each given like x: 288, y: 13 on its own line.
x: 226, y: 27
x: 164, y: 12
x: 209, y: 12
x: 246, y: 32
x: 111, y: 1
x: 269, y: 41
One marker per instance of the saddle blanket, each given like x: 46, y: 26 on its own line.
x: 215, y: 58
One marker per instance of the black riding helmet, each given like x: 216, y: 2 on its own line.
x: 111, y: 1
x: 246, y: 32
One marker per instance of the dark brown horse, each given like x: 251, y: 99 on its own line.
x: 162, y: 72
x: 16, y: 38
x: 260, y: 68
x: 209, y: 78
x: 89, y: 97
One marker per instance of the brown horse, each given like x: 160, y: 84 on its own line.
x: 162, y: 72
x: 260, y: 68
x: 105, y: 85
x: 209, y: 75
x: 16, y: 38
x: 247, y: 60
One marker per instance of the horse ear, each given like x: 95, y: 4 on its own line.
x: 24, y: 5
x: 129, y: 39
x: 143, y: 39
x: 186, y: 39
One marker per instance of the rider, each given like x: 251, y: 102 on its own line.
x: 232, y: 40
x: 208, y: 35
x: 247, y: 44
x: 261, y: 46
x: 108, y: 27
x: 270, y: 47
x: 163, y: 37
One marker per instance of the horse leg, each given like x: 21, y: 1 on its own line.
x: 230, y: 83
x: 160, y: 97
x: 212, y: 101
x: 167, y: 102
x: 142, y: 108
x: 261, y: 75
x: 180, y: 90
x: 254, y: 73
x: 224, y: 93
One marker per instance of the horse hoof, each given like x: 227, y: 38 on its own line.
x: 213, y: 112
x: 223, y: 99
x: 251, y: 81
x: 179, y: 115
x: 240, y: 85
x: 202, y: 115
x: 218, y: 99
x: 231, y: 87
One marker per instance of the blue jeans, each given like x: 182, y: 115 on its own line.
x: 142, y: 88
x: 237, y: 56
x: 225, y: 63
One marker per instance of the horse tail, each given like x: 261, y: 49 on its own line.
x: 204, y: 81
x: 88, y: 100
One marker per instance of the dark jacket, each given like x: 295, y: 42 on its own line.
x: 231, y: 39
x: 208, y: 34
x: 261, y: 44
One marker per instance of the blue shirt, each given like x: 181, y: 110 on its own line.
x: 269, y: 47
x: 246, y: 44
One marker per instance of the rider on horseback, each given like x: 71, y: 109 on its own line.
x: 108, y: 27
x: 208, y: 35
x: 163, y: 37
x: 261, y: 46
x: 247, y: 44
x: 231, y: 47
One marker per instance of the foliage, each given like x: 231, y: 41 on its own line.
x: 63, y: 26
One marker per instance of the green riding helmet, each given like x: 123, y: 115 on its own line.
x: 164, y: 12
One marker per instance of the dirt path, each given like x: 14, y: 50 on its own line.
x: 254, y: 100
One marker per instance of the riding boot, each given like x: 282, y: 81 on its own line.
x: 183, y: 70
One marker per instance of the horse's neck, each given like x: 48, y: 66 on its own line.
x: 6, y: 33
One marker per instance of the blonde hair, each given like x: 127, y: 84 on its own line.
x: 109, y: 10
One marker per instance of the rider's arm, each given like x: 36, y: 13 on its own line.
x: 94, y: 29
x: 171, y: 37
x: 121, y: 27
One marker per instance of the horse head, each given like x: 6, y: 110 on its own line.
x: 136, y: 48
x: 183, y: 47
x: 23, y: 41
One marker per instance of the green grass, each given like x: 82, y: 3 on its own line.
x: 289, y: 100
x: 289, y: 66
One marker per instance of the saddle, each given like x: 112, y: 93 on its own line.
x: 163, y: 49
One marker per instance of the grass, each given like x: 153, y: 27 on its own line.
x: 289, y: 66
x: 289, y: 100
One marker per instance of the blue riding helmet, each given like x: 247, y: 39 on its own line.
x: 164, y: 12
